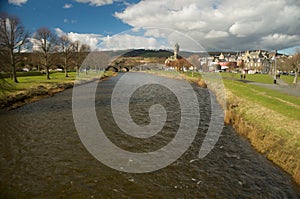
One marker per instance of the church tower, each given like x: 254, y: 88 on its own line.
x: 176, y: 51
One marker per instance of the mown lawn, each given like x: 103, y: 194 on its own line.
x: 287, y: 78
x: 27, y: 82
x: 282, y: 103
x: 261, y: 78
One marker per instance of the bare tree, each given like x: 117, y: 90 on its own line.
x: 81, y: 51
x: 293, y: 63
x: 195, y: 61
x: 12, y: 37
x: 46, y: 46
x: 67, y: 47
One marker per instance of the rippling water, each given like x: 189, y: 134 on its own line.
x: 41, y: 154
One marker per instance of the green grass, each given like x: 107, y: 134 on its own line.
x: 28, y: 82
x: 261, y: 78
x: 32, y: 81
x: 287, y: 78
x: 274, y: 100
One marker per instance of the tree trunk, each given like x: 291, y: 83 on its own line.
x: 77, y: 70
x: 13, y: 64
x: 295, y: 78
x: 47, y: 73
x: 66, y: 73
x: 66, y: 68
x: 15, y: 75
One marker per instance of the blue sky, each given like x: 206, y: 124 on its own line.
x: 212, y: 24
x: 80, y: 17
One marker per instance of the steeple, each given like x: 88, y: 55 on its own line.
x: 176, y: 50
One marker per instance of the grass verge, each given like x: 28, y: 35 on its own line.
x: 270, y: 120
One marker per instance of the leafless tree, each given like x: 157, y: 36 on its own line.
x: 12, y: 37
x: 46, y: 41
x: 67, y: 47
x: 195, y: 61
x: 293, y: 63
x: 81, y: 51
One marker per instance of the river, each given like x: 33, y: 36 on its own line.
x: 42, y: 156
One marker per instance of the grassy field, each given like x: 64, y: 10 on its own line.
x: 279, y: 102
x: 32, y: 88
x: 33, y: 81
x: 261, y: 78
x: 26, y: 82
x: 287, y: 78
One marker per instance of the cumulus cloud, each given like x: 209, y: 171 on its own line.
x: 128, y: 41
x: 225, y: 24
x: 96, y: 2
x: 90, y: 39
x: 17, y: 2
x: 132, y: 39
x: 216, y: 34
x: 67, y: 6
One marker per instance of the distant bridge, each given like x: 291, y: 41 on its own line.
x: 147, y: 66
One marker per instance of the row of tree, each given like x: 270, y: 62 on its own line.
x: 48, y: 48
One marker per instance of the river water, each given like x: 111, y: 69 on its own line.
x: 41, y: 155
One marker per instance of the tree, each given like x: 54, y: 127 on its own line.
x: 12, y: 37
x: 293, y: 63
x: 67, y: 48
x: 46, y: 41
x: 81, y: 51
x: 195, y: 61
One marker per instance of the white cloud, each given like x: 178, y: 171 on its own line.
x: 128, y: 41
x: 222, y: 24
x: 96, y: 2
x: 35, y: 44
x: 216, y: 34
x: 67, y: 6
x: 280, y: 39
x: 17, y: 2
x: 90, y: 39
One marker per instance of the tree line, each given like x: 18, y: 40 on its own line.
x: 48, y: 50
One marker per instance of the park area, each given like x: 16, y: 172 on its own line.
x: 34, y: 86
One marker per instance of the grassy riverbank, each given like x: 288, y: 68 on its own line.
x: 33, y: 88
x: 269, y: 119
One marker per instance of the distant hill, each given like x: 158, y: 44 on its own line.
x: 148, y: 53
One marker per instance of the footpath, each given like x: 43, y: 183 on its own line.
x: 281, y: 86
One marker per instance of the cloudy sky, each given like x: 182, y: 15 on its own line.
x: 211, y: 24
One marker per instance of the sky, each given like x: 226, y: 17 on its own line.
x: 197, y: 25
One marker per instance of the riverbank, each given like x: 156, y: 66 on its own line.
x: 270, y: 120
x: 34, y: 88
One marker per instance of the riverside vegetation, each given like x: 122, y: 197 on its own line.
x: 269, y: 119
x: 34, y: 86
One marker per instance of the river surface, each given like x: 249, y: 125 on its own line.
x: 42, y: 156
